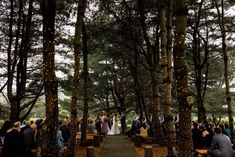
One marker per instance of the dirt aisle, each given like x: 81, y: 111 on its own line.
x: 118, y: 146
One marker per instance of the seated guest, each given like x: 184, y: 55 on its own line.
x: 143, y: 131
x: 221, y: 145
x: 132, y: 131
x: 196, y: 136
x: 90, y: 127
x: 226, y: 129
x: 150, y: 131
x: 206, y: 138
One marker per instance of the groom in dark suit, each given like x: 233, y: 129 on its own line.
x: 123, y: 122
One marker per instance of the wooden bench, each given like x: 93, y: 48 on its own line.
x: 201, y: 152
x: 148, y: 140
x: 89, y: 136
x: 139, y: 140
x: 92, y: 138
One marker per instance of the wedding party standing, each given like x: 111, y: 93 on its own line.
x: 105, y: 127
x: 123, y: 123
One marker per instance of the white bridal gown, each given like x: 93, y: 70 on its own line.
x: 114, y: 129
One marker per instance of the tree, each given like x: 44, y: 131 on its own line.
x: 181, y: 76
x: 223, y: 30
x: 77, y: 52
x: 85, y: 76
x: 151, y: 55
x: 48, y: 10
x: 199, y: 61
x: 22, y: 91
x: 166, y: 62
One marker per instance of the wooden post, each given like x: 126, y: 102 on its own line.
x: 148, y: 151
x: 101, y: 138
x: 90, y: 151
x: 96, y: 140
x: 138, y: 141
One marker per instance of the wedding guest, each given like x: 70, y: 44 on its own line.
x: 132, y: 131
x: 30, y: 139
x: 6, y: 126
x: 90, y: 127
x: 25, y: 126
x: 59, y: 139
x: 143, y: 131
x: 227, y: 130
x: 98, y: 123
x: 105, y: 127
x: 14, y: 145
x: 196, y: 136
x: 65, y: 131
x: 206, y: 138
x: 123, y: 122
x: 221, y: 145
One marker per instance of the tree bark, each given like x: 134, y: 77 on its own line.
x: 166, y: 62
x: 77, y: 52
x: 225, y: 58
x: 199, y: 64
x: 48, y: 9
x: 86, y: 99
x: 152, y: 63
x: 181, y: 75
x: 137, y: 86
x: 17, y: 61
x: 14, y: 115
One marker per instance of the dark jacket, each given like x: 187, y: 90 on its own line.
x: 29, y: 140
x: 14, y: 145
x: 65, y: 132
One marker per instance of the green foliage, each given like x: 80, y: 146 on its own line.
x: 38, y: 111
x: 114, y: 36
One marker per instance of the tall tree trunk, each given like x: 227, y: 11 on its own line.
x: 137, y: 86
x: 48, y: 9
x: 86, y: 99
x: 18, y: 62
x: 225, y: 58
x: 77, y: 52
x: 152, y: 62
x: 14, y: 114
x: 199, y: 65
x: 166, y: 62
x: 22, y: 65
x: 16, y: 99
x: 155, y: 110
x: 181, y: 74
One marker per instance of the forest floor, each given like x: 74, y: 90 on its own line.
x: 121, y: 146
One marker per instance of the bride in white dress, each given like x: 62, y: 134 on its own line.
x: 114, y: 129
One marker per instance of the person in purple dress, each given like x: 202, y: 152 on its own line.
x: 105, y: 127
